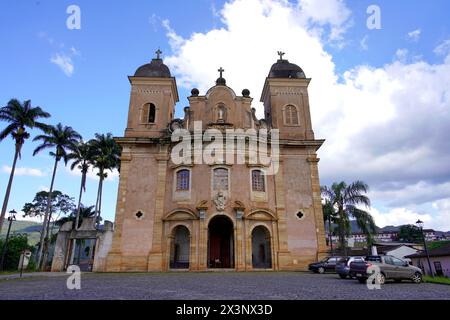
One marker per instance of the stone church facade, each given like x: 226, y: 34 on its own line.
x: 203, y: 216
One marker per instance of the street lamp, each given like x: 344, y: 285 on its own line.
x: 11, y: 218
x: 420, y: 225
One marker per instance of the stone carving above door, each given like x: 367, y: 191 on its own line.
x: 220, y: 201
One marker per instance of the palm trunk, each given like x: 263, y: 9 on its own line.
x: 98, y: 204
x: 342, y: 232
x: 8, y: 189
x: 77, y: 219
x: 330, y: 236
x: 40, y: 262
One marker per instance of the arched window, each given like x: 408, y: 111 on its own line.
x: 220, y: 179
x: 148, y: 113
x: 258, y: 183
x: 291, y: 115
x: 183, y: 180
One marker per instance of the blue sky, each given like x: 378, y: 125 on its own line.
x: 91, y: 93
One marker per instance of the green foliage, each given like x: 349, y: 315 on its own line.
x: 440, y: 280
x: 410, y: 233
x: 32, y: 265
x: 437, y: 244
x: 342, y: 202
x: 16, y: 244
x: 85, y: 212
x: 21, y: 116
x: 105, y: 153
x: 61, y: 204
x: 60, y: 138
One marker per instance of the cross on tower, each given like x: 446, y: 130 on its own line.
x: 158, y: 53
x: 281, y: 54
x: 221, y: 70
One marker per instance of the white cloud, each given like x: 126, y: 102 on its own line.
x: 64, y: 62
x: 22, y: 171
x: 414, y: 35
x: 43, y: 188
x: 443, y: 48
x: 399, y: 216
x: 334, y: 14
x: 386, y: 125
x: 92, y: 174
x: 401, y: 54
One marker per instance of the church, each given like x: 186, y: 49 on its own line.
x: 217, y: 216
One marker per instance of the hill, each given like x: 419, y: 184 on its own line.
x: 32, y: 229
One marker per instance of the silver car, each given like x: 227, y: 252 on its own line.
x: 389, y: 267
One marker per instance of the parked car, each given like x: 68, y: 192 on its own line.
x: 343, y: 266
x: 326, y: 265
x: 390, y: 268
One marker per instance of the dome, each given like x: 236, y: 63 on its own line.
x: 155, y: 69
x: 284, y: 69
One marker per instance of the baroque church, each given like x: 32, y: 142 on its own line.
x: 199, y: 217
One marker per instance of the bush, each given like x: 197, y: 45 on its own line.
x: 16, y: 244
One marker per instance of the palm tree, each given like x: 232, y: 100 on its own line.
x: 81, y: 155
x: 20, y: 117
x: 106, y: 156
x: 61, y: 138
x: 80, y: 213
x: 345, y: 199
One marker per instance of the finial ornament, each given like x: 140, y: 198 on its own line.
x: 158, y: 53
x: 281, y: 54
x: 221, y: 70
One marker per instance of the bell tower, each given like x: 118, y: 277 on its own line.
x: 152, y: 99
x: 286, y: 102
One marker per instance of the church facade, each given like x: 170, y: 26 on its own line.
x: 203, y: 216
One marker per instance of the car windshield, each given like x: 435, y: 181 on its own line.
x: 343, y: 260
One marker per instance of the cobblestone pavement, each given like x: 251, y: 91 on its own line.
x: 214, y: 285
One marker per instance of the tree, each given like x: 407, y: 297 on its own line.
x: 106, y: 156
x: 20, y: 116
x: 61, y: 138
x: 16, y: 244
x: 346, y: 198
x: 61, y: 204
x: 77, y: 216
x: 409, y: 233
x: 81, y: 156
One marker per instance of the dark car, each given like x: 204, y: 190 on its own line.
x: 343, y: 266
x: 326, y: 265
x: 389, y: 268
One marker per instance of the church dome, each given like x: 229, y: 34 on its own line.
x: 155, y: 69
x: 285, y: 69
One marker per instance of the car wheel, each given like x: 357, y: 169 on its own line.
x: 417, y: 277
x: 321, y: 270
x: 362, y: 280
x: 343, y: 276
x: 381, y: 279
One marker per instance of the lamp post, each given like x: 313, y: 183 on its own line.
x: 11, y: 218
x: 420, y: 225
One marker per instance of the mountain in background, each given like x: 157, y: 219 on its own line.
x: 32, y: 229
x: 356, y: 229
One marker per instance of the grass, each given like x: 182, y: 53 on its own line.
x: 440, y: 280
